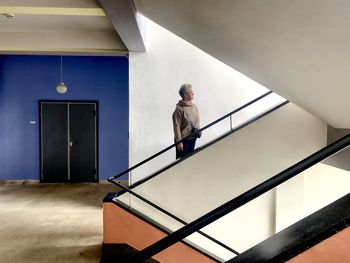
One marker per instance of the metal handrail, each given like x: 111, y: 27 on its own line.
x: 128, y: 189
x: 239, y: 201
x: 241, y: 126
x: 110, y: 179
x: 174, y: 217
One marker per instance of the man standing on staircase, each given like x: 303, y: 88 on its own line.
x: 185, y: 119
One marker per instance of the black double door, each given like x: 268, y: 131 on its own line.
x: 68, y: 141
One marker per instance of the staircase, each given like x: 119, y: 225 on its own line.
x: 316, y: 229
x: 122, y: 225
x: 169, y: 189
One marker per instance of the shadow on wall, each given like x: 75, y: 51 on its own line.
x: 341, y: 159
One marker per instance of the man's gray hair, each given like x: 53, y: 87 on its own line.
x: 184, y: 88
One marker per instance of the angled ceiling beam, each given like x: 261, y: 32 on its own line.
x: 126, y: 22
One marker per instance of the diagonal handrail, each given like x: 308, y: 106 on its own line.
x: 130, y: 191
x: 174, y: 217
x: 241, y: 126
x: 110, y: 179
x: 239, y: 201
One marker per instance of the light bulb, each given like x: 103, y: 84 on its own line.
x: 61, y: 88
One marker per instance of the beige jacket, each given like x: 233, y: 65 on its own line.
x: 181, y: 124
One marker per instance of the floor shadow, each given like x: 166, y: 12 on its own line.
x: 80, y: 194
x: 68, y: 254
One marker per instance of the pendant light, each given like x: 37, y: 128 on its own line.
x: 61, y: 88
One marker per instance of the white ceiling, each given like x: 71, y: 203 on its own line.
x: 297, y: 48
x: 57, y: 26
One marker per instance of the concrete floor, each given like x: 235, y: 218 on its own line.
x: 51, y: 222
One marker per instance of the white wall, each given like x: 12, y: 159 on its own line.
x: 308, y: 192
x: 231, y: 167
x: 290, y: 202
x: 155, y: 78
x: 324, y: 184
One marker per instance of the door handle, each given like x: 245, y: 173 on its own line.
x: 71, y: 143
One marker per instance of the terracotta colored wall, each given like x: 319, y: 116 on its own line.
x: 334, y: 249
x: 120, y: 227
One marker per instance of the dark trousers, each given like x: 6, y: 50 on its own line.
x: 188, y: 148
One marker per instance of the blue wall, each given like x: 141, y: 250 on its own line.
x: 24, y: 80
